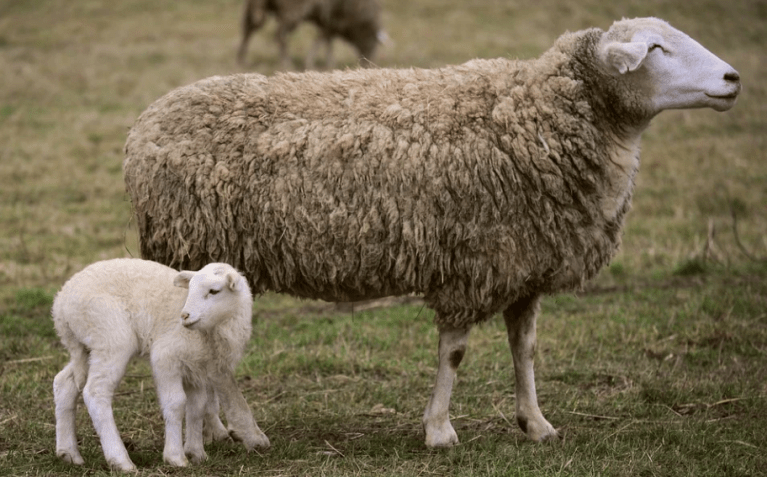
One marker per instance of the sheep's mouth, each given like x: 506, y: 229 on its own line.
x: 188, y: 324
x: 723, y: 96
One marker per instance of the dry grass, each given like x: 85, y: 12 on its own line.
x: 659, y: 369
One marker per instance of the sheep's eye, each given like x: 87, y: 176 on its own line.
x: 654, y: 46
x: 214, y: 292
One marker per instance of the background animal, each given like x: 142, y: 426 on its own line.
x: 356, y: 21
x: 194, y: 334
x: 481, y: 186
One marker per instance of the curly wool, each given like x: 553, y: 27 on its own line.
x: 475, y: 184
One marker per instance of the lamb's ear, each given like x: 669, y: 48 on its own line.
x: 623, y: 57
x: 232, y: 280
x: 182, y: 279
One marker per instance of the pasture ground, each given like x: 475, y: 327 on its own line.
x: 659, y: 367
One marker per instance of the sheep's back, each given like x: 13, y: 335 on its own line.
x: 118, y: 302
x: 359, y: 184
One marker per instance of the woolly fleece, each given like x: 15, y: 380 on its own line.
x: 476, y: 185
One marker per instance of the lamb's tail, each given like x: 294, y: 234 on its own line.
x: 77, y: 369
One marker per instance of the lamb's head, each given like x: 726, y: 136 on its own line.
x: 674, y: 70
x: 216, y: 293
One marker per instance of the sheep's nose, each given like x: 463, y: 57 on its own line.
x: 184, y: 315
x: 732, y: 76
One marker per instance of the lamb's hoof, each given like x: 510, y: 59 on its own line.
x: 197, y: 457
x: 70, y: 457
x: 175, y: 460
x: 123, y: 466
x: 210, y: 436
x: 440, y: 436
x: 540, y: 431
x: 258, y: 440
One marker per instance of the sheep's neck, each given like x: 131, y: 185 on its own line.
x: 621, y: 170
x: 226, y: 346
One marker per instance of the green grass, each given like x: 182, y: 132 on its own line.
x: 657, y: 368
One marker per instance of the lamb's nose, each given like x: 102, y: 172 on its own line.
x: 732, y: 76
x: 184, y: 315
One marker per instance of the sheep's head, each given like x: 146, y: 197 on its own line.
x: 674, y: 70
x: 216, y: 293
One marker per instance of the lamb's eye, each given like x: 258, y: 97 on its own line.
x: 654, y: 46
x: 214, y: 292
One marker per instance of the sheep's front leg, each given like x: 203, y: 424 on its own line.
x: 520, y: 324
x: 239, y: 418
x: 196, y: 399
x: 170, y: 393
x: 436, y: 418
x: 213, y: 429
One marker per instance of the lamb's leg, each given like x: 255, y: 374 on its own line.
x: 436, y: 419
x: 213, y: 429
x: 66, y: 389
x: 170, y: 393
x: 107, y: 368
x: 520, y: 325
x: 196, y: 400
x: 238, y: 416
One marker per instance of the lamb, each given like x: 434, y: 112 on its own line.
x: 356, y: 21
x: 481, y: 186
x: 115, y: 309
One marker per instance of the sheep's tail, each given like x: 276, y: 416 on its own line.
x: 78, y: 352
x: 77, y: 368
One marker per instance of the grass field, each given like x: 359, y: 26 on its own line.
x: 659, y: 367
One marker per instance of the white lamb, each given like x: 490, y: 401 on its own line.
x: 115, y: 309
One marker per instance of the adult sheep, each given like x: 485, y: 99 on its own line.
x: 482, y: 186
x: 356, y: 21
x: 115, y: 309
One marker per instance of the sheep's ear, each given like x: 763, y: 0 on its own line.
x: 623, y: 57
x: 232, y: 280
x: 182, y: 279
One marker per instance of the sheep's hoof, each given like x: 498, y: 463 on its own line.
x: 251, y: 441
x: 70, y: 457
x: 539, y: 431
x: 176, y: 461
x: 217, y: 435
x: 123, y: 466
x: 197, y: 457
x: 440, y: 436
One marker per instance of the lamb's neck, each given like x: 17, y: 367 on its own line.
x: 228, y: 343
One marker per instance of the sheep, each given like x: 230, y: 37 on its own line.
x: 356, y: 21
x: 115, y: 309
x: 482, y: 186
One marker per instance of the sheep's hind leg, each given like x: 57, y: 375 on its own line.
x: 66, y: 389
x: 436, y: 418
x: 107, y: 368
x: 238, y: 416
x: 520, y: 325
x: 170, y: 393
